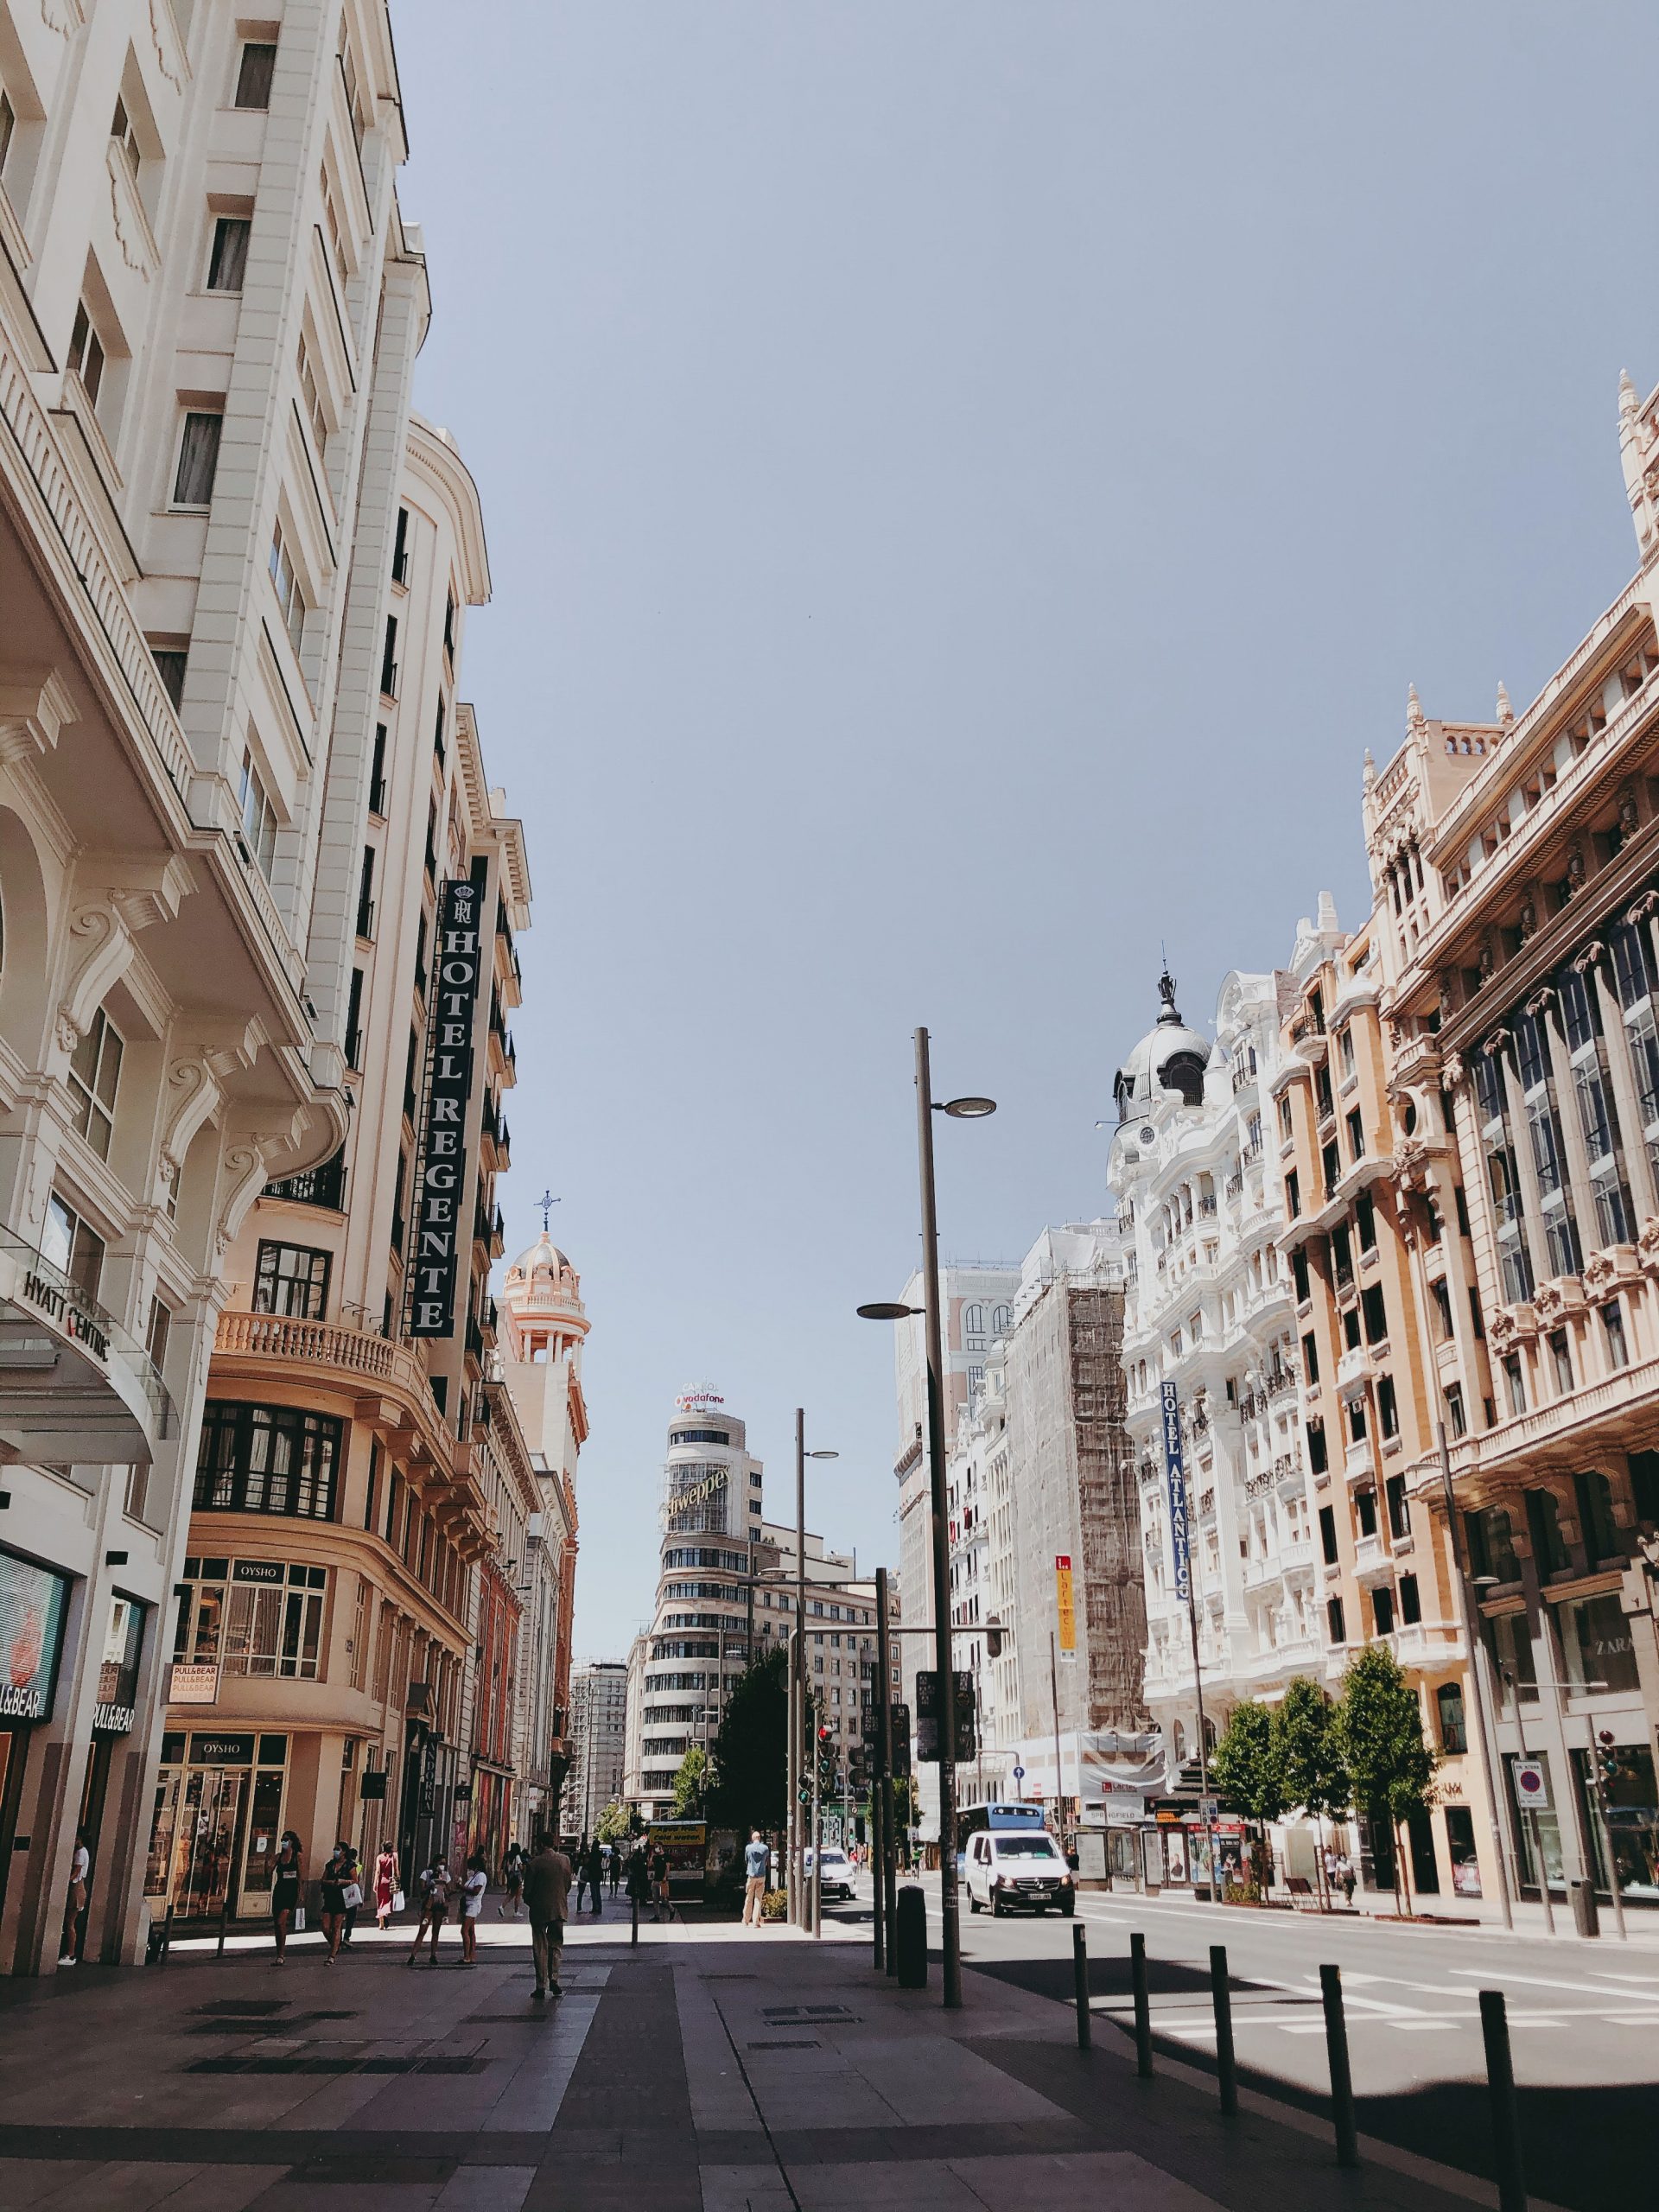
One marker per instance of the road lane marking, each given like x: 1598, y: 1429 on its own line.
x: 1542, y: 1981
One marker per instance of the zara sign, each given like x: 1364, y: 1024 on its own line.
x: 441, y: 1215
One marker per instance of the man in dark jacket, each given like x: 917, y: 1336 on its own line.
x: 547, y: 1897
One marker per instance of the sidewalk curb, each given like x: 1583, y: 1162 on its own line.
x: 1374, y: 2151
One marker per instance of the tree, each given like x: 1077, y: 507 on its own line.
x: 612, y: 1826
x: 690, y: 1784
x: 751, y: 1748
x: 1380, y: 1729
x: 1309, y: 1756
x: 1245, y: 1769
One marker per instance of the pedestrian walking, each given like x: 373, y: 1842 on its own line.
x: 334, y: 1901
x: 1345, y: 1875
x: 354, y: 1893
x: 512, y: 1877
x: 285, y: 1876
x: 387, y: 1898
x: 659, y: 1882
x: 472, y: 1903
x: 615, y: 1850
x: 547, y: 1897
x: 638, y: 1885
x: 757, y: 1859
x: 434, y: 1892
x: 595, y: 1873
x: 81, y: 1867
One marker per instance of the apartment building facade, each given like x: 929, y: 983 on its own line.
x: 209, y: 309
x: 1381, y: 1283
x: 599, y: 1727
x: 348, y: 1622
x: 1515, y: 867
x: 1208, y: 1309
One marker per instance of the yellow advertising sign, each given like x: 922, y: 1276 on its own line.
x: 1064, y: 1607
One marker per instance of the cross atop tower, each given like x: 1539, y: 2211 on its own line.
x: 547, y: 1201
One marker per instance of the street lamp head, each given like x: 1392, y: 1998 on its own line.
x: 824, y: 1455
x: 1485, y: 1582
x: 885, y: 1311
x: 969, y: 1110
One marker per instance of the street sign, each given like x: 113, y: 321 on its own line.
x: 1209, y: 1809
x: 1065, y: 1607
x: 1531, y: 1785
x: 1019, y: 1774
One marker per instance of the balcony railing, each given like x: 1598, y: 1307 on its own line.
x: 314, y: 1187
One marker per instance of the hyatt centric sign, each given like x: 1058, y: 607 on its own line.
x: 443, y: 1156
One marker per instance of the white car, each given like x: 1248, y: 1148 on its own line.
x: 1010, y: 1869
x: 836, y: 1874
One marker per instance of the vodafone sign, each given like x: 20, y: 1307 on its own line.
x: 698, y: 1402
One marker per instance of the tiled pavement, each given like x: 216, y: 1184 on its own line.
x: 707, y: 2071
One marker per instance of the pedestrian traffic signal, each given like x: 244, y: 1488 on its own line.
x: 993, y: 1639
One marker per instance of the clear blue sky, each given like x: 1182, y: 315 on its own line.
x: 965, y: 483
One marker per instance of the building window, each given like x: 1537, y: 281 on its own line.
x: 1561, y: 1360
x: 1377, y: 1313
x: 1492, y: 1544
x: 1612, y: 1326
x: 227, y: 263
x: 388, y: 660
x: 1544, y: 1526
x: 1388, y: 1409
x: 332, y: 226
x: 258, y: 816
x: 291, y: 595
x: 1336, y: 1629
x: 311, y: 392
x: 400, y: 549
x: 278, y: 1459
x: 1356, y: 1420
x: 87, y: 353
x: 8, y: 126
x: 170, y: 665
x: 1293, y: 1194
x: 291, y: 1280
x: 1394, y: 1491
x: 378, y: 772
x: 193, y: 485
x: 1365, y: 1510
x: 1328, y: 1533
x: 1454, y: 1733
x: 1355, y: 1134
x: 1318, y: 1459
x: 254, y: 74
x: 1515, y: 1382
x: 1456, y: 1419
x: 72, y: 1246
x: 94, y: 1072
x: 1309, y: 1358
x: 1383, y: 1609
x: 1365, y: 1219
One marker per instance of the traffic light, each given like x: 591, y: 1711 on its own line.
x: 993, y: 1639
x: 1607, y: 1755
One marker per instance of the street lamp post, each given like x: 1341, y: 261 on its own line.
x: 800, y: 1913
x: 963, y: 1110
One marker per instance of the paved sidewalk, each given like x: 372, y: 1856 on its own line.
x: 708, y: 2070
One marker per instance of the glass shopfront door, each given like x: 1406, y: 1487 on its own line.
x: 206, y: 1839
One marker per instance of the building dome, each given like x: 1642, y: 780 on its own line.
x: 542, y: 1255
x: 1170, y: 1057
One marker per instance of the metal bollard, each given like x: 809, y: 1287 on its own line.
x: 1222, y: 1998
x: 1506, y: 2121
x: 1080, y: 1982
x: 224, y: 1914
x: 1142, y: 2006
x: 634, y: 1903
x: 166, y: 1935
x: 1342, y: 2081
x: 911, y: 1942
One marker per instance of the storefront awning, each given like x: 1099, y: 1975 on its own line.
x: 75, y: 1389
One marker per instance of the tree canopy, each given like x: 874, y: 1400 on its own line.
x: 689, y: 1785
x: 1308, y: 1749
x: 612, y: 1826
x: 1380, y: 1731
x: 751, y: 1750
x: 1244, y: 1765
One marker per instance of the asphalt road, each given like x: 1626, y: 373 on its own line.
x: 1584, y: 2024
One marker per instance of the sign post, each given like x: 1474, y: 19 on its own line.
x: 1181, y: 1560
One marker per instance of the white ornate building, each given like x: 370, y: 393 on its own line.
x: 1196, y: 1174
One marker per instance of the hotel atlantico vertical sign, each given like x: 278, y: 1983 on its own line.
x: 1175, y: 1476
x: 441, y: 1158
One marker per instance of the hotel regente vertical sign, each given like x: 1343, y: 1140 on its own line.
x: 441, y: 1158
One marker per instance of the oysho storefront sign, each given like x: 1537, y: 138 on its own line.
x: 34, y: 1602
x: 442, y: 1152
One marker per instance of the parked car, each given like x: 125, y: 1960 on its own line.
x: 835, y: 1875
x: 1022, y: 1869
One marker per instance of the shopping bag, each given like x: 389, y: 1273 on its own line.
x: 296, y: 1920
x: 351, y: 1896
x: 397, y: 1900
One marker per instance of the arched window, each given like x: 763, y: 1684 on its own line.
x: 973, y: 1327
x: 1001, y: 1318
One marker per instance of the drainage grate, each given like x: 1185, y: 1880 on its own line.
x: 329, y: 2065
x: 344, y: 2166
x: 807, y: 2013
x: 789, y: 2043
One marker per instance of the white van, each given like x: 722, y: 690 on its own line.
x: 1024, y: 1868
